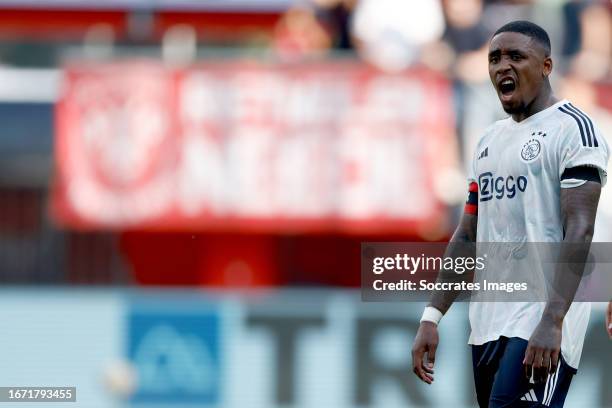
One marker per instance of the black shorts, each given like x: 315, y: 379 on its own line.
x: 500, y: 380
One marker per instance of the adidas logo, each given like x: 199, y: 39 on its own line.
x: 484, y: 153
x: 529, y: 396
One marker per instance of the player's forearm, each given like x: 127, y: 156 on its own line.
x: 569, y: 271
x: 578, y: 209
x: 462, y: 244
x: 443, y: 300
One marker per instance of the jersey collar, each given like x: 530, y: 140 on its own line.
x: 539, y: 115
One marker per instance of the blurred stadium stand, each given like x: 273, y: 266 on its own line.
x: 49, y: 48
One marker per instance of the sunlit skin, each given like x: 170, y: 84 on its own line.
x: 525, y: 61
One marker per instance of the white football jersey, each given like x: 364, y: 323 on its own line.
x: 518, y: 168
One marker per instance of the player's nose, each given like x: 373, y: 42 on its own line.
x: 503, y: 68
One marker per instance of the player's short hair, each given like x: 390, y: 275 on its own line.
x: 529, y: 29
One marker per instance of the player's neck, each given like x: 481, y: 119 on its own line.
x: 544, y: 100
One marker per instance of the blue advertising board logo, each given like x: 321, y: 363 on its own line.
x: 176, y: 355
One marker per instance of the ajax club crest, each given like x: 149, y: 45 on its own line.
x: 531, y: 150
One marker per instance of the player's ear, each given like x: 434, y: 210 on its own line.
x: 547, y: 67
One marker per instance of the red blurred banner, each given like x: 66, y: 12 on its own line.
x: 333, y: 146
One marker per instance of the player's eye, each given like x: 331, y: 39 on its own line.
x: 493, y: 60
x: 515, y: 57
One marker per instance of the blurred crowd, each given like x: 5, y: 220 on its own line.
x: 451, y: 36
x: 445, y: 35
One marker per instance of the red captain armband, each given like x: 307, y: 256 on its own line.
x: 471, y: 205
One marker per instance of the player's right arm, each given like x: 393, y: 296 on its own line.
x: 426, y: 340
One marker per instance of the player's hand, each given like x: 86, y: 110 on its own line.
x: 426, y: 341
x: 543, y: 351
x: 609, y: 319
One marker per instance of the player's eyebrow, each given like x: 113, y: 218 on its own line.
x: 497, y: 52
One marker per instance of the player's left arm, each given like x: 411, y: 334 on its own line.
x: 578, y: 210
x: 582, y: 157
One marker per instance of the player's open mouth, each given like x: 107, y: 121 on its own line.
x: 506, y: 87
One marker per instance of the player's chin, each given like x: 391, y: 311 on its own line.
x: 511, y: 106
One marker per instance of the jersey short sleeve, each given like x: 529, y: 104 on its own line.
x: 471, y: 171
x: 582, y: 144
x: 478, y: 151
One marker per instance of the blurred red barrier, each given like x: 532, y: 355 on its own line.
x: 236, y: 146
x: 182, y: 259
x: 72, y: 23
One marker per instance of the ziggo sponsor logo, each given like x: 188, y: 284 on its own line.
x: 500, y: 187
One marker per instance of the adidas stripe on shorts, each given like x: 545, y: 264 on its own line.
x: 500, y: 381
